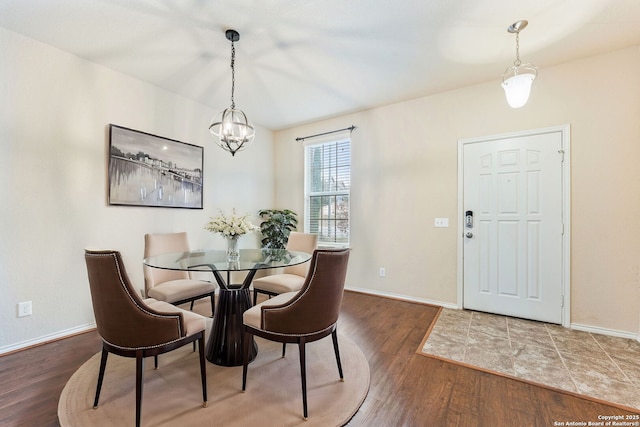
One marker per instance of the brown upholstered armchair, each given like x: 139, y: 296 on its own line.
x: 132, y: 327
x: 292, y: 278
x: 304, y: 316
x: 172, y: 286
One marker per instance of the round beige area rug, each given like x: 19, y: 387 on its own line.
x: 172, y: 395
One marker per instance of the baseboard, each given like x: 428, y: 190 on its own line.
x: 605, y: 331
x: 576, y: 326
x: 89, y: 326
x: 401, y: 297
x: 46, y: 338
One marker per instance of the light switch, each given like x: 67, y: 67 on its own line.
x: 441, y: 222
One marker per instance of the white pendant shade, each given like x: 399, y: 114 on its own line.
x: 517, y: 79
x: 517, y: 89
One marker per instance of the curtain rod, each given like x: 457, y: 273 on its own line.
x: 351, y: 128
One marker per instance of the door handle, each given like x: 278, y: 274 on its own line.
x: 469, y: 235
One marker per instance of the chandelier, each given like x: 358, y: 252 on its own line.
x: 231, y: 128
x: 517, y: 79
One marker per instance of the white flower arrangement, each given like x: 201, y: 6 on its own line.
x: 231, y: 226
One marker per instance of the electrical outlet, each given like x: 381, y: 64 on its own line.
x: 24, y: 309
x: 382, y: 272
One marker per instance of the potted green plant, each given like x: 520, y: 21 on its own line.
x: 275, y: 227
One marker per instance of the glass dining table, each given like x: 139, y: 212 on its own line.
x: 224, y: 346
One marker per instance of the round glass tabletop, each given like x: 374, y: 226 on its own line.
x: 216, y: 260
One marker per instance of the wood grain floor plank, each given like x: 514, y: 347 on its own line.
x: 407, y: 389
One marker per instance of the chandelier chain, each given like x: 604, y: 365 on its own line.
x: 517, y: 62
x: 233, y: 74
x: 231, y: 128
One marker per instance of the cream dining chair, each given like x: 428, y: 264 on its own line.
x: 292, y: 278
x: 172, y: 286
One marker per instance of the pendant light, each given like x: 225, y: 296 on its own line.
x: 231, y: 128
x: 518, y: 78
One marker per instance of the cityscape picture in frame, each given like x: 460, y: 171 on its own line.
x: 149, y: 170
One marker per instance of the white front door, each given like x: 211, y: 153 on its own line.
x: 513, y: 238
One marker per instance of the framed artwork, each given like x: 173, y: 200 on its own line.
x: 149, y: 170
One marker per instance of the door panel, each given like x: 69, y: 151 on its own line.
x: 512, y: 261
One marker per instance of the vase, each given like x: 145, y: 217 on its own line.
x: 233, y: 254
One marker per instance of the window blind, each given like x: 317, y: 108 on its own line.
x: 327, y: 189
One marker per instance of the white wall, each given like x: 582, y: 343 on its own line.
x: 404, y: 174
x: 54, y: 114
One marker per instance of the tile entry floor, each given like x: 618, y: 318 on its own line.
x: 594, y: 365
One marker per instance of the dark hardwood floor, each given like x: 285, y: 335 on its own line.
x: 31, y: 380
x: 407, y: 389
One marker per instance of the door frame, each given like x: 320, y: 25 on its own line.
x: 566, y: 210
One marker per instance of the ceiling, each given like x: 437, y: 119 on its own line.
x: 298, y: 61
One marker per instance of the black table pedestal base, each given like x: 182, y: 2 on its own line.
x: 225, y: 343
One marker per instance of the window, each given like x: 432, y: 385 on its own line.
x: 327, y: 187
